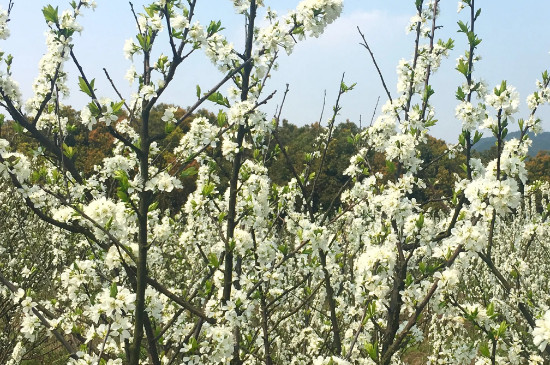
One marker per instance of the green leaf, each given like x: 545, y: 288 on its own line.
x: 122, y: 178
x: 114, y: 290
x: 430, y: 122
x: 198, y: 92
x: 371, y: 309
x: 68, y: 151
x: 169, y: 128
x: 51, y: 14
x: 94, y: 109
x: 473, y: 315
x: 345, y: 88
x: 222, y: 118
x: 460, y: 94
x: 218, y: 98
x: 194, y: 344
x: 471, y: 37
x: 116, y: 106
x: 257, y: 155
x: 213, y: 260
x: 462, y: 67
x: 478, y: 13
x: 191, y: 171
x: 409, y: 280
x: 484, y: 349
x: 109, y: 224
x: 144, y: 42
x: 490, y: 309
x: 420, y: 221
x: 372, y: 350
x: 502, y: 328
x: 150, y: 10
x: 520, y: 123
x: 122, y: 195
x: 463, y: 27
x: 208, y: 189
x: 153, y: 206
x: 84, y: 87
x: 502, y: 87
x: 390, y: 166
x: 214, y: 27
x: 428, y: 91
x: 477, y: 137
x: 462, y: 139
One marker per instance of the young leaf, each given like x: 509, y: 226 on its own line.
x: 477, y: 137
x: 420, y: 221
x: 169, y: 128
x: 122, y: 178
x: 463, y: 27
x: 51, y: 14
x: 116, y: 106
x: 222, y: 118
x: 460, y: 94
x: 189, y: 172
x: 490, y: 309
x: 462, y: 67
x: 114, y: 290
x: 122, y: 195
x: 372, y: 350
x: 484, y: 349
x: 213, y: 260
x: 390, y: 166
x: 68, y: 151
x: 94, y: 109
x: 84, y: 87
x: 218, y: 98
x: 478, y: 13
x: 214, y: 27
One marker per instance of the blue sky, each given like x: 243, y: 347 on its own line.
x: 516, y: 41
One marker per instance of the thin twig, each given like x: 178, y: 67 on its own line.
x: 135, y: 17
x: 117, y: 92
x: 104, y: 343
x: 366, y: 45
x: 374, y: 111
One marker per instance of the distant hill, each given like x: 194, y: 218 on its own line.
x: 541, y: 142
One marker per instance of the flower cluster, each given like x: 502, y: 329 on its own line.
x: 221, y: 52
x: 4, y: 30
x: 201, y: 134
x: 470, y: 115
x: 541, y: 333
x: 504, y: 98
x: 315, y: 15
